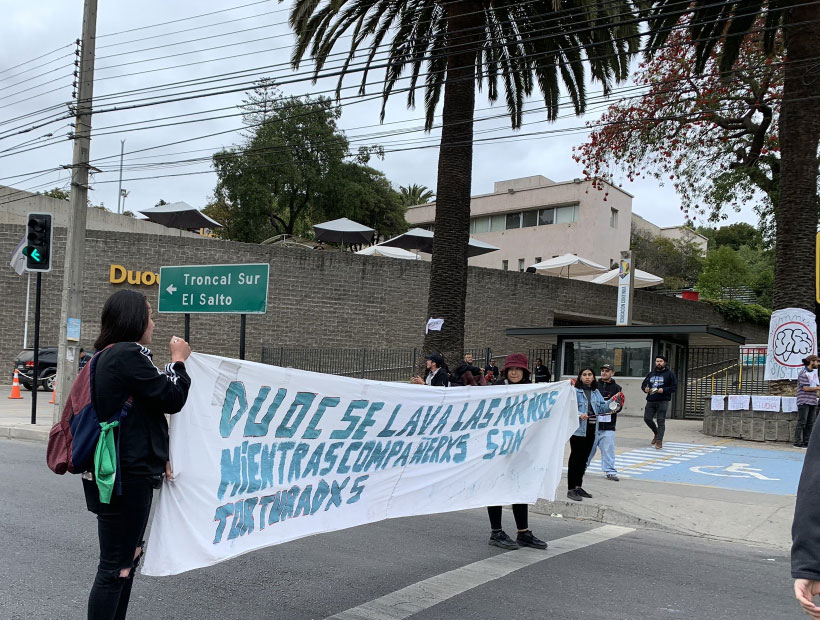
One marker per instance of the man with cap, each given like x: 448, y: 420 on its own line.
x: 605, y: 433
x: 437, y: 373
x: 659, y: 386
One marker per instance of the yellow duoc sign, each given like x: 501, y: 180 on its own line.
x: 118, y: 274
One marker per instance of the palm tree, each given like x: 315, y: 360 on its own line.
x: 415, y: 195
x: 728, y: 24
x: 466, y: 44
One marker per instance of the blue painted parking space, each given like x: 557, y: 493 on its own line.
x: 736, y: 468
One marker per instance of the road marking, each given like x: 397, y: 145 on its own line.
x: 424, y: 594
x: 643, y: 460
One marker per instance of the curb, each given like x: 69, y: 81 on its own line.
x: 27, y: 434
x: 600, y: 514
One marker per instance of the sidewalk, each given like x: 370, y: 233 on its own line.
x: 15, y: 416
x: 705, y: 510
x: 720, y: 507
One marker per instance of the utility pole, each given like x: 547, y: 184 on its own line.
x: 119, y: 191
x: 72, y: 295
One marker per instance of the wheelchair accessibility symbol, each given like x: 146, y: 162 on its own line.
x: 735, y: 470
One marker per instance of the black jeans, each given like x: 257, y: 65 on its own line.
x: 120, y: 528
x: 519, y: 513
x: 657, y: 409
x: 580, y: 447
x: 806, y: 414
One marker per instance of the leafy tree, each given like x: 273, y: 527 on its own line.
x: 734, y: 235
x: 464, y: 44
x: 730, y: 24
x: 365, y: 195
x: 713, y: 137
x: 723, y: 269
x: 677, y: 261
x: 415, y: 195
x: 272, y: 183
x: 58, y: 193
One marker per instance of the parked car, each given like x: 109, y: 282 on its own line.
x: 47, y: 370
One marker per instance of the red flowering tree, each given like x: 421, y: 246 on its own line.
x: 713, y: 137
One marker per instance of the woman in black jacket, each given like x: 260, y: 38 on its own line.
x: 516, y: 371
x: 124, y: 370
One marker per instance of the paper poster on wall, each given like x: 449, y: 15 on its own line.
x: 738, y: 402
x: 789, y: 404
x: 792, y: 336
x: 263, y: 455
x: 718, y: 403
x: 765, y: 403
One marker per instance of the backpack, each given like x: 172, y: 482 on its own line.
x: 73, y: 440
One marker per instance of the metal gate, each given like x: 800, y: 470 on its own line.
x: 722, y: 371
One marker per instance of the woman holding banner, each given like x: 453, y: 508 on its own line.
x: 124, y: 370
x: 590, y: 404
x: 516, y: 370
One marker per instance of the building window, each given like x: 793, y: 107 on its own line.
x: 513, y: 220
x: 546, y: 217
x: 630, y: 358
x: 520, y: 264
x: 498, y: 222
x: 566, y: 215
x: 537, y: 259
x: 480, y: 225
x: 529, y: 218
x: 613, y: 218
x: 505, y: 265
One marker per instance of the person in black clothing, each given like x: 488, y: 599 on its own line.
x: 124, y: 370
x: 467, y: 373
x: 84, y: 359
x: 516, y: 370
x: 659, y: 386
x: 492, y: 368
x: 542, y: 373
x: 437, y: 373
x: 806, y: 532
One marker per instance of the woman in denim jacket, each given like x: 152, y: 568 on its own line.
x: 590, y: 404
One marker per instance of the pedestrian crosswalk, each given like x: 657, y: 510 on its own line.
x: 643, y: 460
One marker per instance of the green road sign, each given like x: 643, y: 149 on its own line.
x: 224, y: 289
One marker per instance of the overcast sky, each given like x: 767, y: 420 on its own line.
x: 139, y: 59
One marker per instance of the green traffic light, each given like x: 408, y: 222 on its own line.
x: 35, y: 255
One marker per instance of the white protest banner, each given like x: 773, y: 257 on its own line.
x: 789, y: 403
x: 792, y: 336
x: 738, y: 402
x: 262, y: 455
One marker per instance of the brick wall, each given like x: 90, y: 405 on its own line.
x: 318, y: 298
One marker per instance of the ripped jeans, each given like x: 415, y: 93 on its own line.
x: 120, y: 528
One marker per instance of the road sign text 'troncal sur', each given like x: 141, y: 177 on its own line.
x: 225, y: 289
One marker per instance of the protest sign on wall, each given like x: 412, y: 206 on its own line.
x: 792, y: 336
x: 263, y: 455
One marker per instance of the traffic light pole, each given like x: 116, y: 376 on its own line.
x: 36, y: 372
x: 72, y: 295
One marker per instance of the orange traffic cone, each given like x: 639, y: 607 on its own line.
x: 15, y: 387
x: 53, y: 396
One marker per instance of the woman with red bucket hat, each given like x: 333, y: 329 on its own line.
x: 516, y: 370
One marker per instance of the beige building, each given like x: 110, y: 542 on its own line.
x: 534, y: 218
x: 671, y: 232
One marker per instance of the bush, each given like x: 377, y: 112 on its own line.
x: 738, y: 312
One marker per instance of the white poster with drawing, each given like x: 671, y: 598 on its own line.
x: 792, y: 336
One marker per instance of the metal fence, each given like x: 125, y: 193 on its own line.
x: 377, y: 364
x: 723, y: 371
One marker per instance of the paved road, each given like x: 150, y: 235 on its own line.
x: 403, y: 568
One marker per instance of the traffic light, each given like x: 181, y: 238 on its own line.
x: 38, y: 250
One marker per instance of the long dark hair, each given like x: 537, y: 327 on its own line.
x: 580, y: 384
x: 124, y: 319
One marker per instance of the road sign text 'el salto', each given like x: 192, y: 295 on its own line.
x: 234, y: 289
